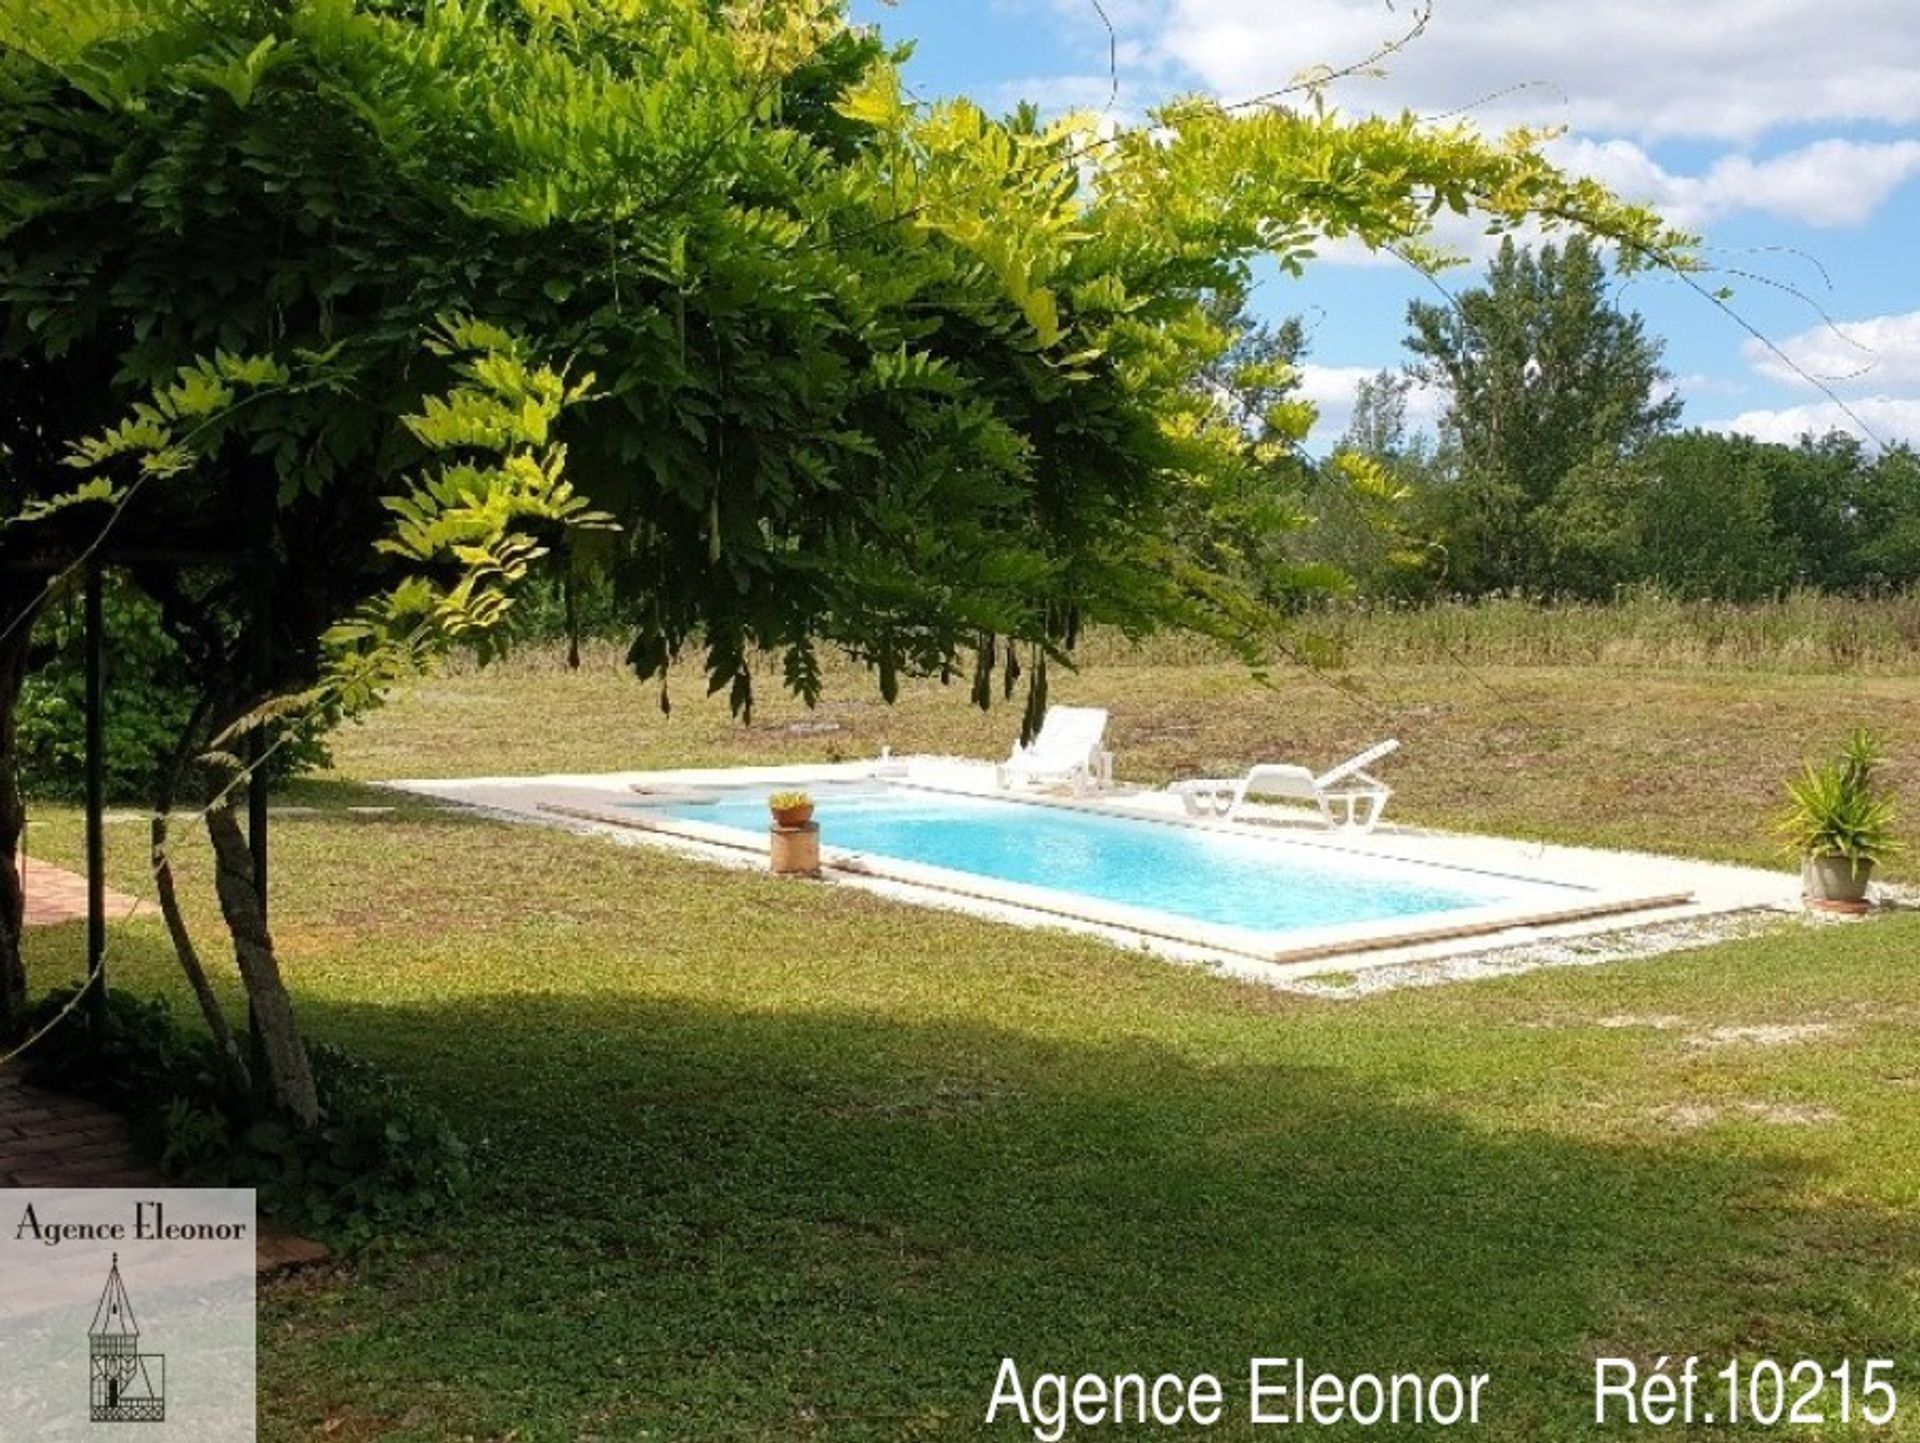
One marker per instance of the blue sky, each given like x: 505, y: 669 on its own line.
x: 1785, y: 132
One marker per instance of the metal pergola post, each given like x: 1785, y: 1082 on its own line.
x: 91, y: 563
x: 261, y: 639
x: 96, y: 768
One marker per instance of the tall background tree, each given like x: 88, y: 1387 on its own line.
x: 1544, y: 377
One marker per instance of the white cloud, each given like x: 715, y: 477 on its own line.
x: 1887, y: 418
x: 1881, y: 352
x: 1828, y: 183
x: 1728, y: 69
x: 1331, y: 390
x: 1866, y: 364
x: 1732, y: 70
x: 1462, y: 237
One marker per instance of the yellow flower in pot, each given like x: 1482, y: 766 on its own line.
x: 790, y: 809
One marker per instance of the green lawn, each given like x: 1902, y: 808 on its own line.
x: 778, y: 1161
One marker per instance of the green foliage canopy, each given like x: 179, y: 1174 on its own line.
x: 899, y: 378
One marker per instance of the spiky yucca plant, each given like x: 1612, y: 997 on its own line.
x: 1838, y: 808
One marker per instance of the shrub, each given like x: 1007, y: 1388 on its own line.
x: 146, y: 706
x: 147, y: 703
x: 380, y: 1159
x: 137, y: 1063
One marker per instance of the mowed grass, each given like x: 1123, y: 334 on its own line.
x: 770, y: 1161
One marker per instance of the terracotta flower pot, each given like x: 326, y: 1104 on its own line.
x: 792, y: 816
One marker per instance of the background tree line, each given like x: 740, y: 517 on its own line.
x: 1560, y: 471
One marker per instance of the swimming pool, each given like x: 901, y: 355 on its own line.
x: 1222, y: 878
x: 1259, y: 900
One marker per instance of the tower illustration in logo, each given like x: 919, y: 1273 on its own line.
x: 125, y: 1385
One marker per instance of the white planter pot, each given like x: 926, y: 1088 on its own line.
x: 1835, y: 879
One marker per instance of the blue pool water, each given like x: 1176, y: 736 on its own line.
x: 1247, y: 882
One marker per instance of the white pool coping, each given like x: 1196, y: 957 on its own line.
x: 1619, y: 890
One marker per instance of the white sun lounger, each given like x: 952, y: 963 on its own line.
x: 1345, y: 796
x: 1069, y: 748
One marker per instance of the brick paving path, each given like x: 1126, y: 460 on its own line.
x: 55, y: 895
x: 48, y: 1139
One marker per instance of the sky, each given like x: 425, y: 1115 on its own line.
x: 1785, y: 133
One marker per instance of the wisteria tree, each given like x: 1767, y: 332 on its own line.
x: 902, y: 380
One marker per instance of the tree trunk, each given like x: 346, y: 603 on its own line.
x: 166, y: 789
x: 13, y: 817
x: 216, y: 1018
x: 287, y: 1072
